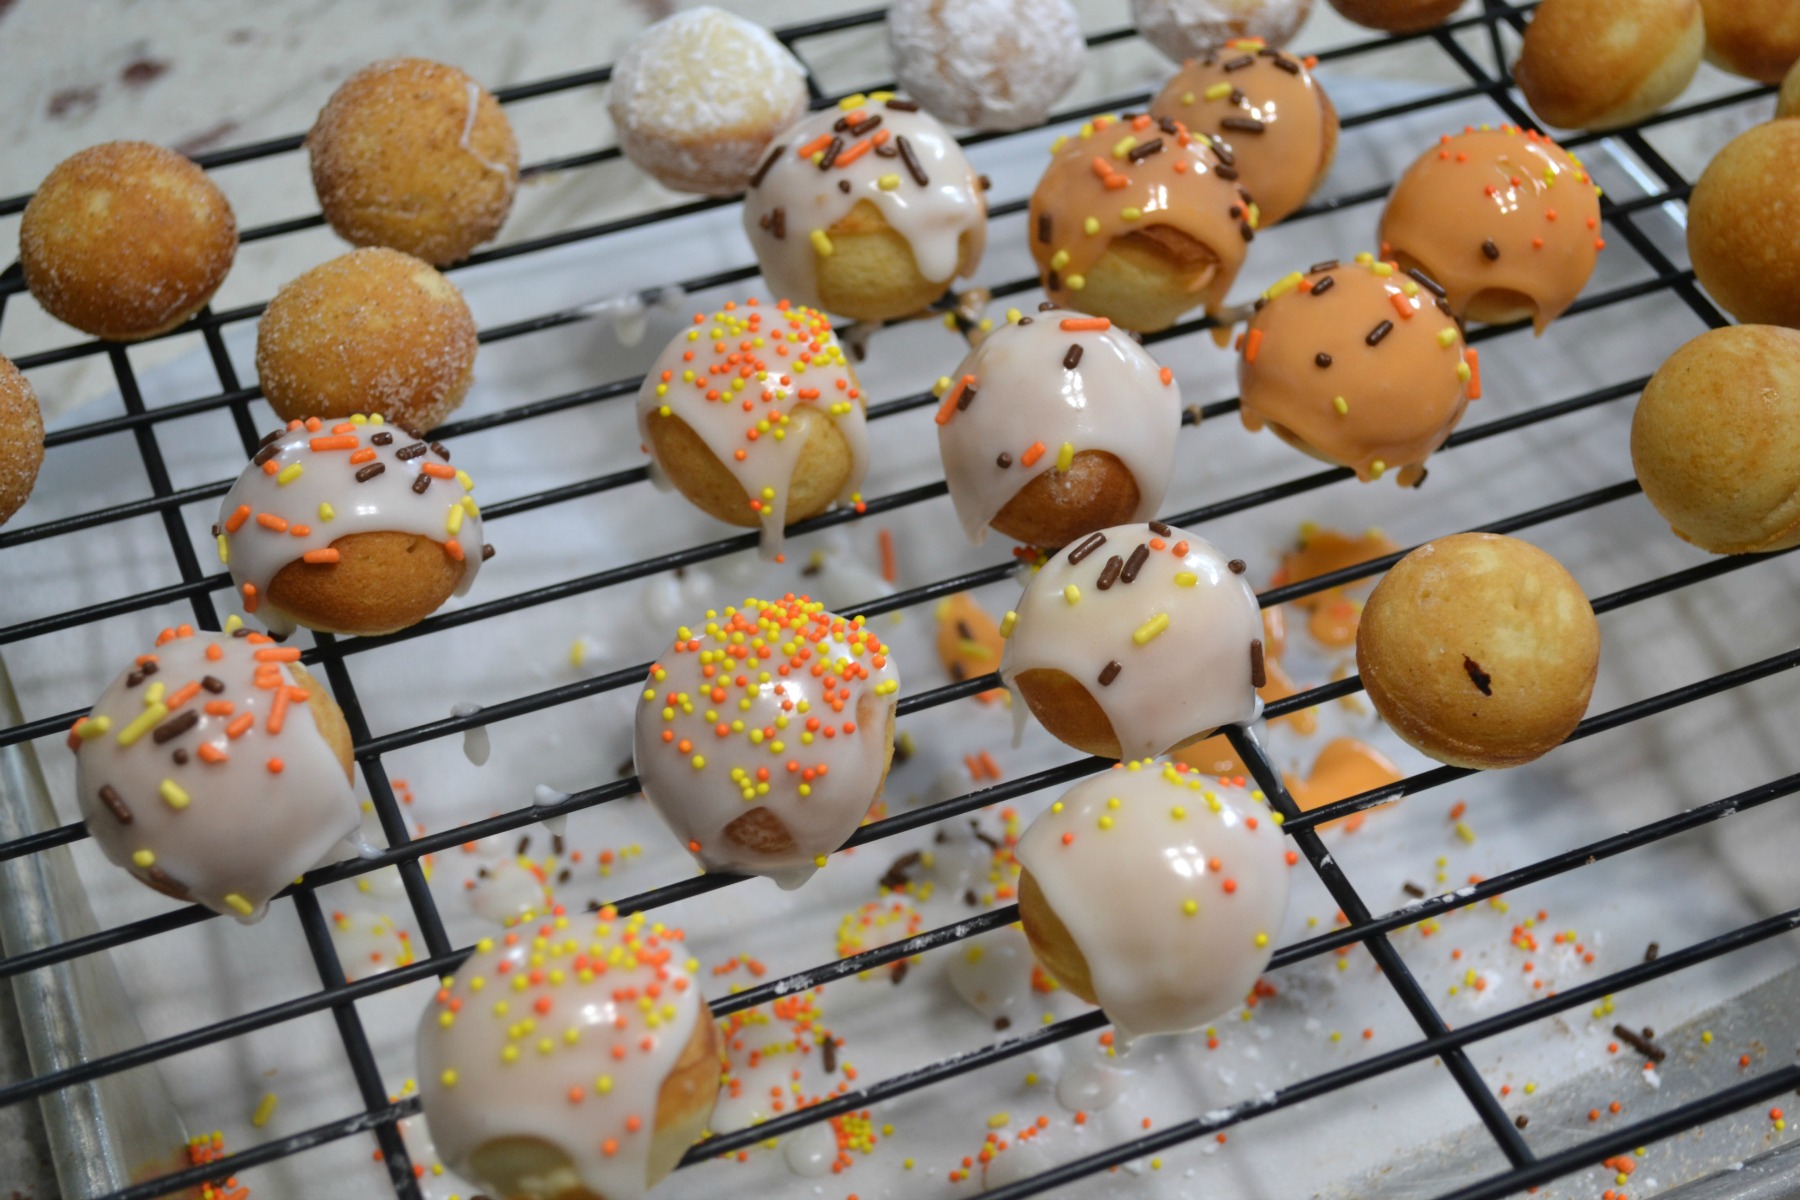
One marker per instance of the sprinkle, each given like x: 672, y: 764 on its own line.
x: 1134, y: 564
x: 1342, y: 405
x: 1007, y: 622
x: 1110, y: 672
x: 364, y: 474
x: 1065, y: 457
x: 1085, y: 324
x: 143, y: 723
x: 1087, y: 546
x: 115, y: 804
x: 1472, y: 359
x: 238, y: 904
x: 265, y: 1108
x: 1075, y: 282
x: 347, y: 441
x: 173, y: 795
x: 1242, y: 124
x: 1072, y: 594
x: 953, y: 399
x: 1258, y: 674
x: 1186, y: 579
x: 1322, y: 359
x: 1032, y: 453
x: 326, y: 512
x: 1322, y: 285
x: 144, y: 859
x: 1252, y: 343
x: 1217, y: 91
x: 271, y: 521
x: 92, y: 727
x: 1402, y: 305
x: 1380, y: 331
x: 1150, y: 629
x: 911, y: 160
x: 889, y: 182
x: 1446, y: 336
x: 1072, y: 359
x: 236, y: 520
x: 1492, y: 251
x: 821, y: 243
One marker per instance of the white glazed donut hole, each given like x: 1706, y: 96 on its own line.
x: 698, y: 97
x: 1184, y: 29
x: 987, y: 64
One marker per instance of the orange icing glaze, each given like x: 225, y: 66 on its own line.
x: 1283, y: 158
x: 1309, y: 370
x: 1504, y: 210
x: 969, y: 643
x: 1344, y: 768
x: 1093, y: 183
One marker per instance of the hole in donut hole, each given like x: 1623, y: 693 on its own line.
x: 1164, y: 244
x: 760, y: 832
x: 1296, y: 441
x: 1501, y: 306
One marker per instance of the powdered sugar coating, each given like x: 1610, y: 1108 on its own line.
x: 699, y: 95
x: 988, y: 64
x: 1184, y: 29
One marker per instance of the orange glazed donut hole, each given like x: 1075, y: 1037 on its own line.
x: 1397, y: 16
x: 1758, y: 39
x: 21, y: 439
x: 373, y: 330
x: 1741, y: 233
x: 126, y: 240
x: 415, y: 155
x: 1479, y: 650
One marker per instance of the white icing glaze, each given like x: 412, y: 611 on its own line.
x: 1191, y: 677
x: 1114, y: 399
x: 988, y: 64
x: 576, y: 1057
x: 262, y: 796
x: 773, y: 708
x: 736, y: 378
x: 266, y: 523
x: 933, y: 217
x: 1172, y: 885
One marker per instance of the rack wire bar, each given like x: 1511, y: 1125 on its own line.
x: 380, y: 1116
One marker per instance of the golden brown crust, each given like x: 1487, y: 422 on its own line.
x: 21, y: 439
x: 126, y: 240
x: 1742, y: 235
x: 1052, y: 942
x: 372, y: 331
x: 381, y: 582
x: 1068, y: 711
x: 1096, y: 492
x: 1146, y: 280
x: 531, y: 1168
x: 1758, y: 39
x: 871, y: 273
x: 1600, y: 64
x: 397, y: 160
x: 826, y: 461
x: 1397, y: 16
x: 1716, y: 440
x: 1479, y: 650
x: 1787, y: 104
x: 329, y: 718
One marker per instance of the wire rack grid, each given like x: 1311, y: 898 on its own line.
x: 378, y: 1115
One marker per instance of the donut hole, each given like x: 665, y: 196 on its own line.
x: 761, y: 833
x: 520, y: 1165
x: 1064, y: 707
x: 1057, y: 507
x: 1501, y: 306
x: 1051, y: 942
x: 1148, y: 278
x: 381, y: 582
x: 871, y: 273
x: 820, y: 475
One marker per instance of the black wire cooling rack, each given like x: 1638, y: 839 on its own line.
x: 380, y: 1114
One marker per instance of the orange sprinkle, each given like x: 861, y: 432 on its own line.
x: 251, y: 603
x: 215, y: 652
x: 270, y: 467
x: 210, y: 753
x: 454, y: 549
x: 327, y: 555
x: 335, y: 442
x: 947, y: 409
x: 236, y: 520
x: 1458, y: 809
x: 1402, y: 305
x: 1473, y: 357
x: 888, y: 570
x: 1252, y: 343
x: 271, y: 521
x: 1032, y: 453
x: 278, y: 654
x: 1102, y: 168
x: 1082, y: 324
x: 438, y: 470
x: 1167, y: 376
x: 850, y: 154
x: 278, y: 710
x: 301, y: 530
x: 276, y: 766
x: 807, y: 151
x: 366, y: 454
x: 219, y: 708
x: 239, y: 725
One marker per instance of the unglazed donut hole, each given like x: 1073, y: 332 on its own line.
x: 373, y: 330
x: 1741, y: 236
x: 986, y: 64
x: 698, y: 97
x: 1602, y: 64
x: 1479, y: 651
x: 126, y: 240
x: 414, y: 155
x: 21, y: 439
x: 1184, y: 29
x: 1758, y: 39
x: 872, y: 273
x: 1397, y: 16
x: 1714, y: 440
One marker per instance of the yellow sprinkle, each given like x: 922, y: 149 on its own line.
x: 1065, y: 457
x: 462, y: 477
x: 1007, y: 622
x: 1217, y: 91
x: 1530, y: 1088
x: 950, y: 321
x: 289, y: 473
x: 1031, y: 1079
x: 448, y: 1078
x: 1186, y: 579
x: 819, y: 860
x: 1262, y: 939
x: 1365, y: 258
x: 224, y: 550
x: 942, y: 385
x: 142, y: 724
x: 1706, y: 1037
x: 1462, y: 372
x: 1124, y: 146
x: 1105, y: 822
x: 1075, y: 282
x: 1447, y: 336
x: 93, y: 727
x: 1131, y: 212
x: 1150, y: 629
x: 154, y: 693
x: 1464, y: 832
x: 850, y: 102
x: 1013, y: 316
x: 1284, y: 285
x: 1382, y: 270
x: 1189, y: 907
x: 233, y: 623
x: 999, y: 1121
x: 1342, y: 405
x: 1059, y: 143
x: 144, y: 858
x: 326, y: 512
x: 453, y: 519
x: 171, y: 791
x: 265, y: 1108
x: 888, y: 182
x: 1091, y: 226
x: 1408, y: 288
x: 1376, y: 469
x: 1072, y: 594
x: 1059, y: 260
x: 699, y: 761
x: 238, y: 904
x: 821, y: 243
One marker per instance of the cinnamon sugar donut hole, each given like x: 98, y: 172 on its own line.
x: 698, y: 97
x: 986, y: 64
x: 1397, y: 16
x: 21, y: 439
x: 1715, y: 440
x: 1741, y: 231
x: 1184, y: 29
x: 1601, y: 64
x: 1758, y: 39
x: 126, y: 240
x: 374, y: 331
x: 415, y: 155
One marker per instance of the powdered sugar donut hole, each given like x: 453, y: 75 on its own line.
x: 698, y: 97
x: 986, y: 64
x: 1184, y: 29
